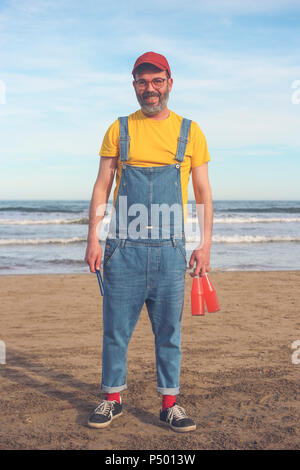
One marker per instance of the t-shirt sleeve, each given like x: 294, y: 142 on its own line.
x: 110, y: 145
x: 199, y: 149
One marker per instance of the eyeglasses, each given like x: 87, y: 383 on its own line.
x: 156, y: 82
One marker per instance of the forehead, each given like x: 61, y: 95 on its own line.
x: 150, y: 74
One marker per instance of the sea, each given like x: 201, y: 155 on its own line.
x: 49, y: 236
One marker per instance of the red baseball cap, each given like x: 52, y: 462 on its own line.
x: 155, y: 59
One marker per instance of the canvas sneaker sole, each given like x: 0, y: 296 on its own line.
x: 103, y: 425
x: 177, y: 429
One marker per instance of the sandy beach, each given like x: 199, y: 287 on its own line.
x: 237, y: 372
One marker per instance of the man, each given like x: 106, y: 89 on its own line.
x: 154, y: 150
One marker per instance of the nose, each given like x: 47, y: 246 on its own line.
x: 149, y: 87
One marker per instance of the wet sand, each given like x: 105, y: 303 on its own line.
x: 237, y: 376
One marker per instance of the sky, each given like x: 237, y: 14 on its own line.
x: 65, y: 76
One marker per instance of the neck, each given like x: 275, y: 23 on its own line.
x: 163, y: 114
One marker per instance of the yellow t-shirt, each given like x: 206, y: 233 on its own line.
x: 154, y: 143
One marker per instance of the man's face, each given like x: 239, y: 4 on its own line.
x: 153, y: 99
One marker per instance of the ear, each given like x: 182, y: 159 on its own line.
x: 170, y: 82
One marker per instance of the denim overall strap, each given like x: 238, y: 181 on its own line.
x: 124, y: 138
x: 183, y: 139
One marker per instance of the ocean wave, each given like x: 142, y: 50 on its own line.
x: 38, y: 209
x: 64, y: 262
x: 41, y: 241
x: 253, y: 239
x: 248, y: 220
x: 190, y: 220
x: 286, y: 210
x: 81, y: 221
x: 189, y: 239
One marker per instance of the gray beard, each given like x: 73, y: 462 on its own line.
x: 151, y: 109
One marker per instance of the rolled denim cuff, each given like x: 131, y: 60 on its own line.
x: 168, y: 391
x: 106, y: 389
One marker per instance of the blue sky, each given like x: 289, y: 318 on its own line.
x: 65, y: 75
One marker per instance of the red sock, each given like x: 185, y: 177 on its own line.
x: 167, y: 401
x: 113, y: 396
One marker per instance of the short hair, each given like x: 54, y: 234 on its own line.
x: 146, y: 66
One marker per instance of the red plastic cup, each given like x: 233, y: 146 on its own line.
x: 210, y: 295
x: 197, y: 297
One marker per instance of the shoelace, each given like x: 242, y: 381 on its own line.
x: 176, y: 412
x: 104, y: 408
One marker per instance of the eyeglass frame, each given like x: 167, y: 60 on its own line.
x: 150, y: 81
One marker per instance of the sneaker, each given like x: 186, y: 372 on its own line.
x: 176, y: 418
x: 103, y: 415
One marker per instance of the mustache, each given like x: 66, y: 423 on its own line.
x: 150, y: 94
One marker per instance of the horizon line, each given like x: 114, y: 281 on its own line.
x: 111, y: 200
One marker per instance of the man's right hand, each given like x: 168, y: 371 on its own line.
x: 93, y: 255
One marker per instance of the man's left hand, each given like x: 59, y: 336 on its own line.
x: 201, y: 257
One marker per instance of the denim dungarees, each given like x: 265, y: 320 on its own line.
x: 145, y: 270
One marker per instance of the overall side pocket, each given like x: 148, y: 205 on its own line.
x: 111, y: 248
x: 180, y: 247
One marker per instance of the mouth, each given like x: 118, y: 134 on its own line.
x: 150, y: 98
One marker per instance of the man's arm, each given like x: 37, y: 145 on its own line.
x: 101, y: 192
x: 203, y: 195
